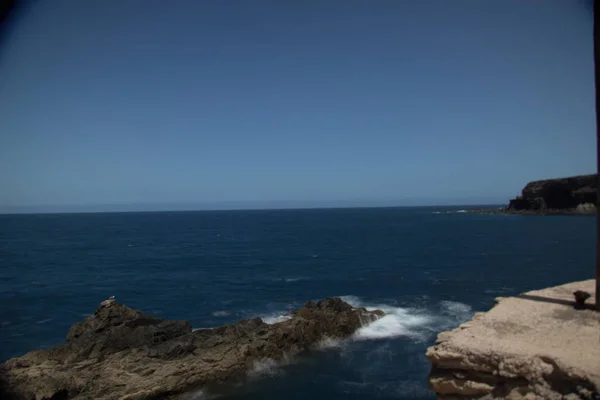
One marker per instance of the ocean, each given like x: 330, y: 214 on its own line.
x: 428, y: 268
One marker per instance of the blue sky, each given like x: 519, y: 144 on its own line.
x: 309, y: 103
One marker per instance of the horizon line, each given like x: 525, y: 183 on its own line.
x: 283, y: 208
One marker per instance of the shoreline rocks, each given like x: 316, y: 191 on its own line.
x: 121, y: 353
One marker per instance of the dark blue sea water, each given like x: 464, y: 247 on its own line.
x: 429, y: 271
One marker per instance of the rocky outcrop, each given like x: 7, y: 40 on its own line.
x: 121, y: 353
x: 537, y: 345
x: 575, y: 194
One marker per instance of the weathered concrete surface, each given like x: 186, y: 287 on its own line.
x: 533, y: 346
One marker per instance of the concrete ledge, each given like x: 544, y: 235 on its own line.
x: 532, y: 346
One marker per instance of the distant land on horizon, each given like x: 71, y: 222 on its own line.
x: 463, y: 200
x: 238, y: 206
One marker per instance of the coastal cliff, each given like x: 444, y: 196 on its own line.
x: 533, y: 346
x: 121, y: 353
x: 576, y: 195
x: 573, y: 193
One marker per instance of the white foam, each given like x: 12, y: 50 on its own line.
x: 275, y: 318
x: 415, y: 323
x: 460, y: 311
x: 194, y: 395
x: 353, y: 301
x: 265, y: 367
x: 461, y: 211
x: 221, y: 313
x: 329, y: 343
x: 201, y: 329
x: 295, y: 279
x: 397, y: 321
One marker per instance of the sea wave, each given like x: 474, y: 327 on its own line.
x: 195, y: 395
x: 275, y: 318
x: 221, y: 313
x: 266, y: 367
x: 417, y: 324
x: 296, y: 279
x: 289, y: 279
x: 370, y: 350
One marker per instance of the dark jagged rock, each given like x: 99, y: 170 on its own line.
x: 120, y: 353
x: 557, y: 194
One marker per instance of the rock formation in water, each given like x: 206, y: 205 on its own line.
x: 574, y: 194
x: 537, y: 345
x: 121, y: 353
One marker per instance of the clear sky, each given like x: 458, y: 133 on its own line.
x: 259, y: 103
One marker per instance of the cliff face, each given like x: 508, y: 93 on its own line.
x: 532, y: 346
x: 574, y: 193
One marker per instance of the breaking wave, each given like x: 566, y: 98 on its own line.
x: 368, y: 353
x: 275, y: 318
x: 417, y: 324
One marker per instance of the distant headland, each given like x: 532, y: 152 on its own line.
x: 576, y: 195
